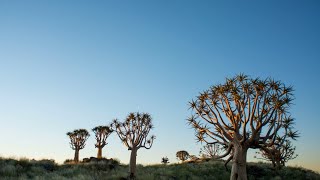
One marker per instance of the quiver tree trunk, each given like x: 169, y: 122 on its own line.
x: 133, y: 161
x: 76, y: 156
x: 99, y: 155
x: 278, y: 165
x: 239, y: 170
x: 273, y: 163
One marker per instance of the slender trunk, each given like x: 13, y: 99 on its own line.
x: 99, y: 155
x: 76, y: 156
x: 239, y: 168
x: 133, y: 161
x: 274, y: 164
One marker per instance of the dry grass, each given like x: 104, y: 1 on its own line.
x: 11, y: 169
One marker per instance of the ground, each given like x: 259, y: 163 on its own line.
x: 11, y: 169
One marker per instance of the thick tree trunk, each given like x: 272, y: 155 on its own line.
x: 99, y: 155
x: 239, y: 168
x: 76, y: 156
x: 133, y: 161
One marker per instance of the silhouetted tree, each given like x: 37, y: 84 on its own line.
x: 165, y: 160
x: 240, y: 114
x: 182, y: 155
x: 133, y: 132
x: 101, y: 133
x: 78, y: 140
x: 211, y: 151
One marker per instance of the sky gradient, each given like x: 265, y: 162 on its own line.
x: 78, y: 64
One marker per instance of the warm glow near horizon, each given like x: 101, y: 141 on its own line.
x: 66, y: 65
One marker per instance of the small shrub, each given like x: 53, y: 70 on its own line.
x: 68, y: 161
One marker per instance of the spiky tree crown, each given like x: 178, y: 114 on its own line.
x: 281, y: 152
x: 211, y: 151
x: 101, y: 134
x: 133, y: 132
x: 182, y: 155
x: 78, y: 138
x: 164, y: 160
x: 243, y: 110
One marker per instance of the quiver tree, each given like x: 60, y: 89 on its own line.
x: 133, y: 132
x: 279, y: 154
x: 240, y: 114
x: 165, y: 160
x: 182, y: 155
x: 78, y: 140
x: 101, y: 133
x: 211, y: 151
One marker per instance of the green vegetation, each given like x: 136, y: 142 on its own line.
x: 47, y: 169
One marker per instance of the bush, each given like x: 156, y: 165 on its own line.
x: 68, y: 161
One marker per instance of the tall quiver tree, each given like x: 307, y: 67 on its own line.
x: 243, y: 113
x: 101, y: 133
x: 78, y: 140
x: 133, y: 132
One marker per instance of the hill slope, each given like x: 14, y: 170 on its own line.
x: 46, y: 169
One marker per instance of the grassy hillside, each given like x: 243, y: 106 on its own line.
x: 11, y: 169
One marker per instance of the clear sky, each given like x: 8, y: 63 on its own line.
x: 77, y: 64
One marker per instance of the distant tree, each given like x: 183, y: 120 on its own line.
x: 165, y: 160
x: 211, y: 151
x: 240, y: 114
x: 182, y: 155
x: 133, y: 132
x: 101, y: 133
x: 78, y: 140
x: 279, y: 153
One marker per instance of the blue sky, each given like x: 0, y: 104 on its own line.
x: 77, y: 64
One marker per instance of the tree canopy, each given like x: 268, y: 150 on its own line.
x: 243, y: 113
